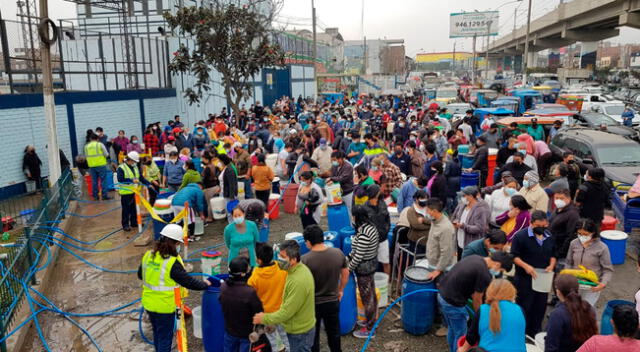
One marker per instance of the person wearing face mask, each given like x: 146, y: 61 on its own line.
x: 120, y: 143
x: 355, y: 151
x: 587, y: 250
x: 401, y: 130
x: 130, y: 177
x: 533, y: 249
x: 516, y: 218
x: 495, y: 240
x: 527, y: 158
x: 517, y: 168
x: 533, y: 192
x: 492, y: 136
x: 561, y: 182
x: 151, y: 172
x: 440, y: 250
x: 467, y: 280
x: 573, y: 172
x: 535, y: 130
x: 593, y: 196
x: 173, y: 172
x: 309, y: 199
x: 564, y: 220
x: 297, y: 311
x: 241, y: 236
x: 419, y: 224
x: 400, y: 159
x: 499, y: 199
x: 322, y: 156
x: 470, y: 218
x: 372, y: 150
x: 158, y: 285
x: 481, y: 160
x: 342, y: 173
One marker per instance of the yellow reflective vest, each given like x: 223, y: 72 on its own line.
x: 130, y: 174
x: 157, y: 285
x: 94, y: 154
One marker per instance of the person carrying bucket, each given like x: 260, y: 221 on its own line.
x: 161, y: 271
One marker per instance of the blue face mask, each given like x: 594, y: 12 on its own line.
x: 239, y: 220
x: 510, y: 191
x: 494, y: 273
x: 334, y: 163
x: 526, y: 184
x: 492, y: 250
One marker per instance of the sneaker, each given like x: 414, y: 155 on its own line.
x: 360, y: 323
x: 127, y: 229
x: 191, y: 239
x: 362, y: 333
x: 442, y: 331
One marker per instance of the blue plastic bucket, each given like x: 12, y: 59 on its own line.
x: 463, y: 149
x: 333, y: 237
x: 418, y: 310
x: 348, y: 307
x: 469, y: 179
x: 605, y: 323
x: 466, y: 161
x: 338, y: 217
x: 158, y: 225
x: 212, y: 318
x: 617, y: 243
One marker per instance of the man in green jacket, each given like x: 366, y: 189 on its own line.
x: 297, y: 312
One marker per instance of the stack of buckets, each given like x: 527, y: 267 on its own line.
x: 297, y: 236
x: 162, y: 207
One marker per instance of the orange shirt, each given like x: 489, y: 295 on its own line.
x: 262, y: 177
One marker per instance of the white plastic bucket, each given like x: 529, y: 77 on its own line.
x: 540, y: 337
x: 543, y: 281
x: 271, y: 160
x: 210, y: 263
x: 199, y: 227
x: 382, y: 284
x: 218, y: 208
x: 422, y: 263
x: 197, y: 321
x: 334, y: 194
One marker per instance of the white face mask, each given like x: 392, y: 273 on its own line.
x: 584, y: 239
x: 560, y: 203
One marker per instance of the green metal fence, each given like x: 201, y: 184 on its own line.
x: 17, y: 258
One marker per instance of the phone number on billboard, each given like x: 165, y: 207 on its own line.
x: 472, y: 24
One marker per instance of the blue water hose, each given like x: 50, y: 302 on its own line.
x: 375, y: 326
x: 88, y: 243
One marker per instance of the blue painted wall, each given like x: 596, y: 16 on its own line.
x: 22, y: 118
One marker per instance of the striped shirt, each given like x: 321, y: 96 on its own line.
x: 364, y: 246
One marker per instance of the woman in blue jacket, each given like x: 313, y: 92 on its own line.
x: 499, y: 323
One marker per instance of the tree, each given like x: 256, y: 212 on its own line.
x: 233, y: 37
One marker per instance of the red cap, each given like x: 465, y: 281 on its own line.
x: 177, y: 130
x: 172, y: 138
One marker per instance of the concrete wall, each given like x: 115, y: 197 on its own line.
x: 23, y: 120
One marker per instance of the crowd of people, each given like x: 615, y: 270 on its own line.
x: 385, y: 152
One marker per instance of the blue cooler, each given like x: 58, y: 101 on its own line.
x: 264, y: 231
x: 418, y: 310
x: 338, y: 217
x: 212, y: 318
x: 617, y: 243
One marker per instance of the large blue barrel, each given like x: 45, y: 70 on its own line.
x: 605, y: 324
x: 333, y: 237
x: 212, y: 318
x: 264, y: 231
x: 159, y: 225
x: 348, y: 307
x: 346, y: 232
x: 469, y: 179
x: 346, y: 245
x: 108, y: 182
x: 466, y: 161
x: 418, y: 309
x: 338, y: 217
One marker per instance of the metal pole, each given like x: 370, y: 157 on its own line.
x: 525, y: 59
x: 473, y: 68
x: 486, y: 55
x: 315, y: 50
x: 454, y: 58
x: 49, y: 103
x: 515, y: 15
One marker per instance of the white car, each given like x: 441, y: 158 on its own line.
x: 458, y: 110
x: 614, y: 110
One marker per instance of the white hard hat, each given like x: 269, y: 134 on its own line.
x: 134, y: 156
x: 173, y: 231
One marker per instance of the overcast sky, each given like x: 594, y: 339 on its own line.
x: 423, y: 24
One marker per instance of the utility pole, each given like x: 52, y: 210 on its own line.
x: 53, y: 153
x: 473, y: 68
x: 526, y: 46
x: 454, y: 58
x: 515, y: 15
x: 315, y: 49
x: 486, y: 55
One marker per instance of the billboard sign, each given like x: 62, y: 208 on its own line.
x: 469, y: 24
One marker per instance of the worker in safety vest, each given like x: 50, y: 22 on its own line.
x: 161, y: 271
x: 129, y: 178
x: 96, y: 154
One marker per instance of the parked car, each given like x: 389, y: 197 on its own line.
x: 614, y: 111
x: 458, y: 110
x: 596, y: 119
x: 617, y: 155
